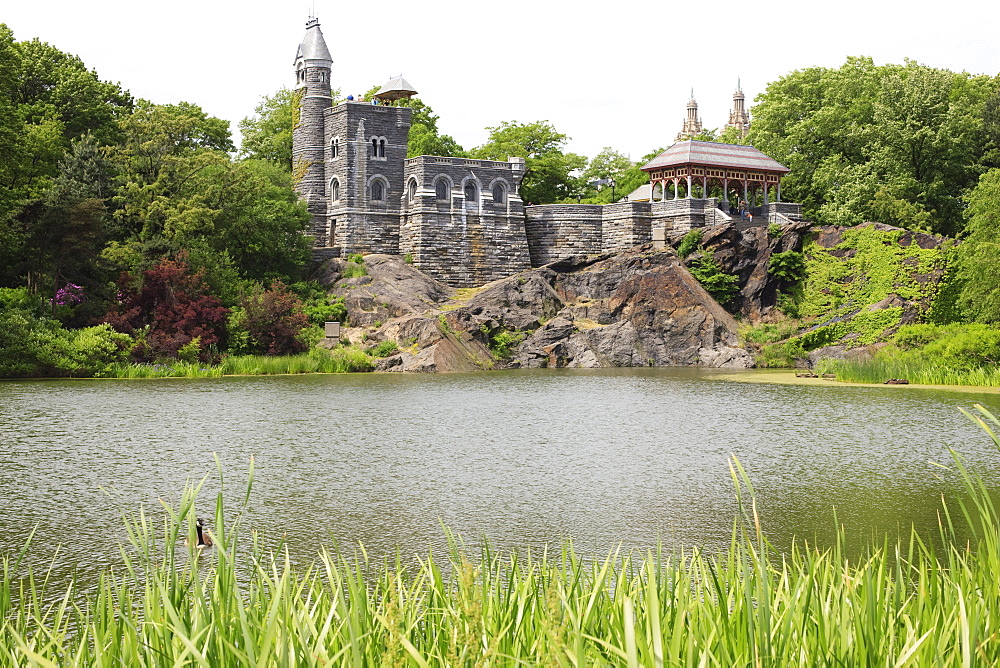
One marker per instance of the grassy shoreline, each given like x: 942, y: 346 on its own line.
x: 906, y: 603
x: 338, y: 360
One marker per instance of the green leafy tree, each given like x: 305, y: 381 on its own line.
x: 893, y: 143
x: 64, y: 239
x: 611, y: 164
x: 267, y: 135
x: 47, y: 99
x: 979, y: 253
x: 164, y: 147
x: 549, y: 175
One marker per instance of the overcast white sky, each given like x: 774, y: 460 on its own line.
x: 606, y: 74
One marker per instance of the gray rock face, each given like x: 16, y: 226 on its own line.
x: 747, y: 253
x: 638, y: 308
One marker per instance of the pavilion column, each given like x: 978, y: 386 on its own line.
x: 777, y: 193
x: 746, y: 196
x: 767, y: 192
x: 704, y: 187
x: 676, y: 191
x: 689, y: 186
x: 725, y: 194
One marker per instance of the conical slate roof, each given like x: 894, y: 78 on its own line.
x: 396, y: 89
x: 313, y: 46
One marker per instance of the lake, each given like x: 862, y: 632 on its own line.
x: 525, y: 459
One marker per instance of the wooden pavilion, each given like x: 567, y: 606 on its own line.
x: 702, y: 166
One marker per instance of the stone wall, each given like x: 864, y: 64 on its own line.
x: 559, y: 230
x: 684, y: 214
x: 624, y: 225
x: 475, y: 233
x: 358, y: 222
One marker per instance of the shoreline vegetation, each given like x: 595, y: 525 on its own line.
x: 345, y: 359
x: 919, y: 600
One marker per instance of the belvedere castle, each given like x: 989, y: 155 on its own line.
x: 462, y: 220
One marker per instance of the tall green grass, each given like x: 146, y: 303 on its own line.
x: 881, y: 369
x: 339, y: 360
x: 906, y: 603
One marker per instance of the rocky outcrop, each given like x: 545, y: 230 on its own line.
x: 746, y: 252
x: 638, y: 308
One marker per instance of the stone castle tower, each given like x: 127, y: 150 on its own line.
x: 739, y: 117
x: 460, y: 220
x: 692, y: 124
x: 313, y: 65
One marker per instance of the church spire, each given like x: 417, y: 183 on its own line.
x: 739, y: 117
x: 692, y: 124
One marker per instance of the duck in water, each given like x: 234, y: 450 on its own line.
x: 204, y: 540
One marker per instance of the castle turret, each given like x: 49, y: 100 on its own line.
x: 692, y: 124
x: 739, y: 117
x: 312, y: 94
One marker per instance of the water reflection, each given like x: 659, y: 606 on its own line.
x: 524, y: 458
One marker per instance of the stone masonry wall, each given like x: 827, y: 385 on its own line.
x: 307, y: 148
x: 559, y: 230
x: 464, y: 242
x: 360, y: 223
x: 625, y: 224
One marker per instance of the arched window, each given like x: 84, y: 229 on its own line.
x: 378, y: 191
x: 411, y: 190
x: 335, y: 148
x: 381, y: 148
x: 470, y: 193
x: 374, y: 148
x: 499, y: 194
x: 335, y: 190
x: 441, y: 189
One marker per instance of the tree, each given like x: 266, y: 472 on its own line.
x: 54, y: 84
x: 63, y: 241
x: 979, y: 253
x: 610, y: 164
x: 164, y: 147
x: 894, y: 143
x: 548, y: 171
x: 166, y: 309
x: 267, y: 135
x: 274, y: 319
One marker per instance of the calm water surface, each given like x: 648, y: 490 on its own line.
x: 526, y: 459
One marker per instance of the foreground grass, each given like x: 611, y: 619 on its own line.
x: 338, y: 360
x: 879, y: 370
x: 908, y: 603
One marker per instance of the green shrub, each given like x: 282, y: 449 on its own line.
x: 503, y: 342
x: 33, y: 345
x: 383, y: 349
x: 773, y: 231
x: 689, y: 243
x: 352, y: 270
x: 782, y: 355
x: 319, y: 306
x: 789, y: 266
x: 771, y: 332
x: 722, y: 286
